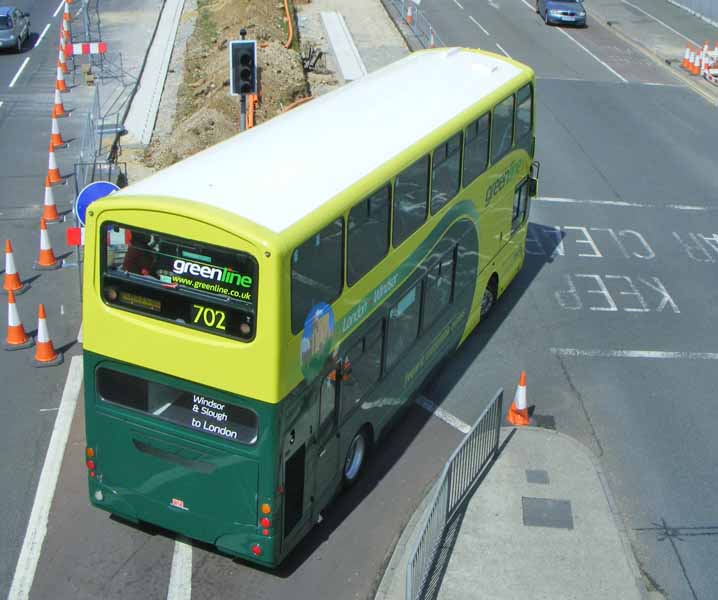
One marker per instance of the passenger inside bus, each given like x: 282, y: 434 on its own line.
x: 140, y: 258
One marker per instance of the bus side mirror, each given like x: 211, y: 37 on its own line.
x: 533, y: 187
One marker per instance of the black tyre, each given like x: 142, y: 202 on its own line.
x: 489, y: 298
x: 356, y: 458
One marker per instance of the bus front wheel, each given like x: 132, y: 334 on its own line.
x: 355, y: 459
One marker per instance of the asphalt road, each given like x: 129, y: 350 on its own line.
x: 613, y: 317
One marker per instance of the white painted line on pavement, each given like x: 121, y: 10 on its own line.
x: 42, y: 35
x: 479, y: 25
x: 657, y: 20
x: 22, y: 66
x: 459, y: 5
x: 533, y: 8
x: 578, y: 353
x: 601, y: 202
x: 59, y: 8
x: 502, y: 50
x: 180, y: 587
x: 445, y: 416
x: 0, y: 107
x: 37, y: 525
x: 688, y: 207
x: 580, y: 45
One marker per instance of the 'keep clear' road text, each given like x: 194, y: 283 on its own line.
x: 616, y: 292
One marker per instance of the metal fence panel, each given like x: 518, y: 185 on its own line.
x: 417, y: 22
x: 460, y: 473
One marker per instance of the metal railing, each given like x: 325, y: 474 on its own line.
x: 459, y: 475
x: 416, y: 21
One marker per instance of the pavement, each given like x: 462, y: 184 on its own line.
x: 542, y: 523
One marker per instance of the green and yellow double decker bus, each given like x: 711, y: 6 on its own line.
x: 255, y: 315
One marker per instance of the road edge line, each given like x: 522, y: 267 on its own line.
x: 180, y: 585
x: 37, y: 524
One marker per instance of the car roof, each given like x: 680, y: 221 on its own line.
x: 6, y: 10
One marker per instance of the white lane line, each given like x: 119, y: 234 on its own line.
x: 533, y: 8
x: 37, y: 525
x: 459, y: 5
x: 578, y: 353
x: 445, y: 416
x: 601, y: 202
x: 479, y: 25
x: 22, y: 66
x: 580, y: 45
x: 687, y: 207
x: 42, y: 35
x: 59, y: 8
x: 502, y: 50
x: 0, y: 103
x: 180, y: 587
x: 657, y: 20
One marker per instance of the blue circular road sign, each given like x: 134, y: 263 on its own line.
x: 91, y: 192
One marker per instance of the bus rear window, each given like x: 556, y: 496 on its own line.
x: 194, y: 411
x: 190, y: 283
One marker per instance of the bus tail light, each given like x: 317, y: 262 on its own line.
x: 90, y: 454
x: 266, y: 509
x: 265, y: 522
x: 257, y: 550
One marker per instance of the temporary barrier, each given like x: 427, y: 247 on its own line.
x: 45, y: 353
x: 12, y: 282
x: 86, y: 48
x: 46, y: 260
x: 16, y: 338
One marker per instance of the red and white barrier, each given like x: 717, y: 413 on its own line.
x: 85, y: 48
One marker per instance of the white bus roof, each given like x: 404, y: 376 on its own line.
x: 282, y: 170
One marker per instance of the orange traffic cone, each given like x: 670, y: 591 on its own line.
x: 66, y: 32
x: 409, y: 14
x: 53, y: 173
x: 16, y: 338
x: 686, y: 56
x: 12, y: 282
x: 58, y: 110
x: 46, y: 260
x: 56, y: 140
x: 61, y: 62
x: 60, y: 81
x: 45, y: 353
x: 49, y: 210
x: 66, y: 16
x: 518, y: 411
x: 696, y: 68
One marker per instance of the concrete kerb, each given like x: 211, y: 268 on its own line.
x: 706, y: 93
x: 392, y: 584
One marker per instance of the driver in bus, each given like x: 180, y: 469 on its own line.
x: 140, y: 258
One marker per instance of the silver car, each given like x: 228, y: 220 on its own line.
x: 14, y: 27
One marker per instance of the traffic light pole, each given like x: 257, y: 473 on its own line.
x: 243, y: 112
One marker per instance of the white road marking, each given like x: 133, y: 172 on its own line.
x: 22, y: 66
x: 493, y: 4
x: 0, y: 107
x: 479, y: 25
x: 580, y: 45
x: 42, y: 35
x: 502, y: 50
x: 459, y: 5
x: 445, y: 416
x: 59, y: 8
x: 180, y: 587
x: 533, y: 8
x: 37, y: 525
x: 661, y: 22
x: 686, y: 207
x: 578, y: 353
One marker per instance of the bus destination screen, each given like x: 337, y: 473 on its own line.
x: 190, y: 283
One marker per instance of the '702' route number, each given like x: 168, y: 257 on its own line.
x: 209, y: 317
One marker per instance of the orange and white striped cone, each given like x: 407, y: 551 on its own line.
x: 518, y: 414
x: 49, y: 209
x: 12, y: 282
x: 58, y: 109
x: 686, y: 56
x: 66, y: 16
x: 409, y: 14
x: 56, y: 140
x: 66, y: 31
x: 60, y: 84
x: 61, y: 62
x: 53, y: 173
x: 16, y: 338
x: 45, y: 353
x: 432, y: 41
x: 46, y: 260
x: 696, y: 69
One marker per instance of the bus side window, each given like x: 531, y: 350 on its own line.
x: 445, y: 172
x: 476, y: 148
x: 317, y: 271
x: 403, y: 325
x: 438, y: 288
x: 368, y: 234
x: 524, y: 118
x: 361, y: 368
x: 520, y: 205
x: 502, y: 129
x: 411, y: 191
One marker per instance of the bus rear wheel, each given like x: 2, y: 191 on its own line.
x: 355, y: 459
x: 489, y: 297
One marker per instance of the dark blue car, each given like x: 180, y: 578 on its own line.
x: 565, y: 12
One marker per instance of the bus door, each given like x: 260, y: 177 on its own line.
x: 327, y: 472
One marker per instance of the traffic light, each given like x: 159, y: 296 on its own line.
x: 243, y: 66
